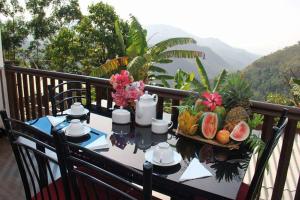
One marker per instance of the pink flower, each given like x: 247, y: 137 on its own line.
x: 212, y: 100
x: 126, y: 91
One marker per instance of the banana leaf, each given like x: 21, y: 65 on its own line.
x: 203, y: 75
x: 220, y: 80
x: 180, y: 54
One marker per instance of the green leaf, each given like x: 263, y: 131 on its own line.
x: 220, y: 80
x: 165, y: 83
x: 164, y: 61
x: 163, y: 76
x: 180, y: 54
x: 256, y: 120
x: 153, y: 68
x: 203, y: 75
x: 135, y: 66
x: 137, y: 36
x: 163, y: 45
x: 297, y: 81
x: 120, y: 36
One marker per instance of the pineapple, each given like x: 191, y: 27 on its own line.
x: 234, y: 116
x: 236, y: 92
x: 188, y: 120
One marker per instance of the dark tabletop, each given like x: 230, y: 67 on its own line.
x: 130, y: 142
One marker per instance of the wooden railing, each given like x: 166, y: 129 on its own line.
x: 29, y: 99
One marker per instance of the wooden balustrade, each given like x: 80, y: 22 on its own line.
x: 29, y: 99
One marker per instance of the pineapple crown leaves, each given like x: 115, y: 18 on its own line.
x: 235, y: 90
x: 256, y: 120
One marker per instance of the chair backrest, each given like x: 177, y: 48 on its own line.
x: 263, y: 161
x: 89, y: 180
x: 63, y: 95
x: 36, y: 160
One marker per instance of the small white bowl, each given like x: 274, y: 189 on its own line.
x: 121, y: 116
x: 75, y: 128
x: 160, y: 126
x: 77, y: 108
x: 163, y: 153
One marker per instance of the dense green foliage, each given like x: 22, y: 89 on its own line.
x: 58, y: 36
x: 272, y: 73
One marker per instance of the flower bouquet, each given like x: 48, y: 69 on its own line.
x: 126, y: 90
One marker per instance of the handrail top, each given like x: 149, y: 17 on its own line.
x: 257, y: 106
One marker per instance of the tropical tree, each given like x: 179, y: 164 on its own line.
x: 143, y: 59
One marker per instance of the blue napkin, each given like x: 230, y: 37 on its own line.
x: 44, y: 125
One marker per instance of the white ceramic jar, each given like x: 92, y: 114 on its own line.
x: 121, y: 116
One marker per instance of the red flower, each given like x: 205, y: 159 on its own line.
x: 212, y: 100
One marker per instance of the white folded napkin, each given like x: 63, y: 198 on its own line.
x: 194, y: 170
x: 100, y: 143
x: 56, y: 120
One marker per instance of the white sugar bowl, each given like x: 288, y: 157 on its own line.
x: 163, y: 153
x: 121, y: 116
x: 160, y: 126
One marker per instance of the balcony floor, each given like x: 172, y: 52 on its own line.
x: 11, y: 185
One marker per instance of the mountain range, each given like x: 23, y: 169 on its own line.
x: 218, y: 55
x: 272, y: 73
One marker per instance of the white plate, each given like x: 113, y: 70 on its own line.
x: 149, y: 158
x: 86, y: 131
x: 69, y: 112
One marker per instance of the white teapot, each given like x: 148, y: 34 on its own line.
x: 146, y: 109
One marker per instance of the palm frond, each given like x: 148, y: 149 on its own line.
x: 164, y: 61
x: 163, y: 76
x: 165, y: 83
x: 138, y: 42
x: 153, y: 68
x: 220, y: 80
x: 163, y: 45
x: 203, y: 75
x: 180, y: 54
x: 135, y: 66
x: 120, y: 36
x: 110, y: 66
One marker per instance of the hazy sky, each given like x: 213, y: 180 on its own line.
x: 259, y: 26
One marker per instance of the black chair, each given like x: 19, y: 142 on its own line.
x: 88, y: 180
x: 251, y: 192
x: 36, y: 159
x: 63, y: 95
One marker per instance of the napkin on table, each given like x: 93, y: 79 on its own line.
x: 56, y: 120
x: 194, y: 170
x: 100, y: 143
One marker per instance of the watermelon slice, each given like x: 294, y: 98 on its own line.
x: 209, y: 124
x: 240, y: 132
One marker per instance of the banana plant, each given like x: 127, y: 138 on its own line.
x: 143, y: 59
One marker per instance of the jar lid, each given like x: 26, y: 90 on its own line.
x: 121, y: 111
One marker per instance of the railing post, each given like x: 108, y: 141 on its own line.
x: 3, y: 87
x: 284, y: 160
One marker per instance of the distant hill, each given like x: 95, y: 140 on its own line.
x: 271, y: 73
x: 235, y: 58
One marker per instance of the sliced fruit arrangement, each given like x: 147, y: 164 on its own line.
x: 188, y: 120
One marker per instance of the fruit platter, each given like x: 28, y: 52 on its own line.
x: 218, y: 118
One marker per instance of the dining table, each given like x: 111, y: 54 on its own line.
x: 128, y: 144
